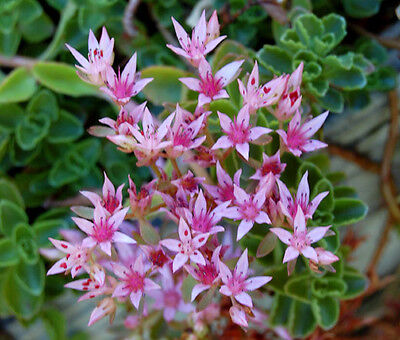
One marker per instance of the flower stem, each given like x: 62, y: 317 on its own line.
x: 176, y: 167
x: 156, y: 170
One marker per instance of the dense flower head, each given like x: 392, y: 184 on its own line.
x: 206, y: 191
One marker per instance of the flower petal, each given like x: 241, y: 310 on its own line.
x: 290, y: 254
x: 257, y: 282
x: 283, y: 234
x: 244, y: 299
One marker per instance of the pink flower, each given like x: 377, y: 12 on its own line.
x: 188, y: 183
x: 236, y: 284
x: 249, y: 210
x: 187, y: 248
x: 297, y: 138
x: 75, y: 260
x: 92, y: 288
x: 204, y: 39
x: 224, y: 191
x: 147, y: 143
x: 123, y: 86
x: 271, y: 165
x: 155, y: 255
x: 238, y: 133
x: 100, y: 57
x: 211, y: 87
x: 104, y: 229
x: 203, y: 156
x: 208, y: 274
x: 290, y: 100
x: 204, y: 220
x: 126, y: 119
x: 111, y: 200
x: 325, y: 257
x: 255, y: 97
x: 169, y: 298
x: 133, y: 281
x: 183, y: 135
x: 300, y: 241
x: 238, y: 316
x: 175, y: 204
x: 289, y: 206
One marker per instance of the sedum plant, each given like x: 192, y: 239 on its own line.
x: 240, y: 223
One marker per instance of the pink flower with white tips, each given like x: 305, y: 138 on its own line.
x: 75, y: 260
x: 100, y: 57
x: 187, y: 248
x: 133, y: 281
x: 297, y: 138
x: 270, y: 165
x: 204, y: 220
x: 211, y: 87
x: 290, y: 100
x: 325, y: 260
x: 169, y: 298
x: 255, y: 97
x: 300, y: 241
x: 238, y: 316
x: 126, y: 119
x: 204, y: 39
x: 224, y: 191
x: 111, y: 200
x: 183, y: 135
x: 103, y: 231
x: 121, y: 87
x: 249, y: 210
x: 289, y: 206
x: 239, y: 132
x: 207, y: 275
x: 236, y: 284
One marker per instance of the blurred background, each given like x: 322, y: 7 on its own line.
x: 47, y: 156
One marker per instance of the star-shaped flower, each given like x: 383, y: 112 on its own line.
x: 238, y: 132
x: 300, y: 241
x: 187, y: 247
x: 204, y: 39
x: 100, y: 57
x: 211, y: 87
x: 297, y: 138
x: 270, y: 164
x: 237, y: 284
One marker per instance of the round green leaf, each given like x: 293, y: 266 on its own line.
x: 18, y: 86
x: 66, y: 129
x: 10, y: 216
x: 349, y: 211
x: 275, y: 59
x: 31, y: 131
x: 31, y: 277
x: 44, y: 103
x: 8, y: 253
x: 280, y: 310
x: 62, y: 78
x: 10, y: 192
x: 47, y: 228
x: 299, y: 288
x: 356, y: 284
x: 24, y: 238
x: 10, y: 116
x: 322, y: 287
x: 302, y: 321
x: 326, y: 311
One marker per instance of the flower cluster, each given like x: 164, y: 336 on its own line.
x: 123, y: 255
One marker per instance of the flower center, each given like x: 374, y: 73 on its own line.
x: 209, y: 85
x: 103, y: 231
x: 249, y: 210
x: 135, y: 281
x: 236, y: 285
x: 171, y: 298
x: 239, y: 133
x: 207, y: 273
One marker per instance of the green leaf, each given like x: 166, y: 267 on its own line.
x: 66, y: 129
x: 55, y: 323
x: 383, y: 79
x: 332, y: 100
x: 8, y: 21
x: 275, y: 59
x: 322, y: 287
x: 44, y: 103
x: 206, y: 299
x: 308, y: 26
x: 9, y: 43
x: 326, y: 311
x: 266, y: 245
x: 43, y: 29
x: 187, y: 286
x: 24, y: 238
x: 29, y: 10
x: 349, y: 211
x: 91, y: 18
x: 165, y: 86
x: 23, y: 304
x: 372, y: 50
x: 10, y: 116
x: 62, y: 78
x: 356, y: 283
x: 149, y: 233
x: 345, y: 192
x: 361, y: 8
x: 10, y: 216
x: 8, y: 253
x: 228, y: 48
x: 18, y: 86
x: 280, y: 310
x: 10, y: 192
x: 323, y: 185
x: 31, y: 277
x: 314, y: 174
x: 31, y: 130
x: 335, y: 24
x: 299, y: 288
x: 302, y: 321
